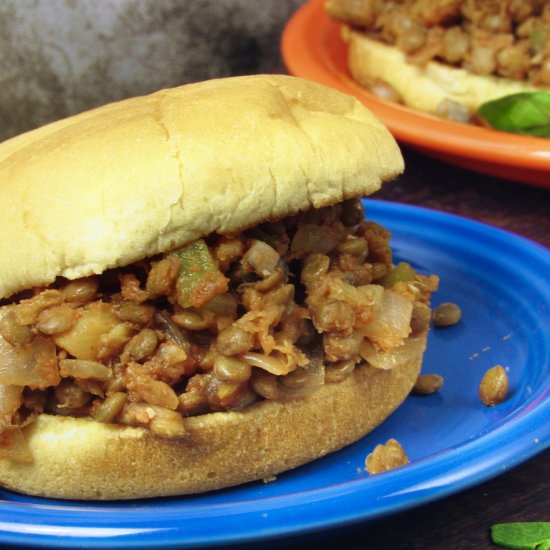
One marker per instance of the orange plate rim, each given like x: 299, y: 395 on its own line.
x: 312, y: 48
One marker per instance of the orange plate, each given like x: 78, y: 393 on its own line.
x: 312, y: 48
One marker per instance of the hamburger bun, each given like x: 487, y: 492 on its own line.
x: 134, y: 179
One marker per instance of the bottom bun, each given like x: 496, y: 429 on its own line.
x: 83, y: 459
x: 424, y: 88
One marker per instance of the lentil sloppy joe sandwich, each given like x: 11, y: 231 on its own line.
x: 192, y: 298
x: 447, y: 57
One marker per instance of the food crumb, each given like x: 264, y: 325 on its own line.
x: 493, y: 388
x: 269, y: 479
x: 446, y: 315
x: 386, y: 457
x: 426, y: 384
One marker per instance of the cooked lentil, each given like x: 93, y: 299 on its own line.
x: 426, y: 384
x: 494, y: 385
x: 446, y: 314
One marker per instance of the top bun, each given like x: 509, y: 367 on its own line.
x: 128, y: 180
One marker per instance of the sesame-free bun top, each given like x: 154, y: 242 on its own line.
x: 130, y: 179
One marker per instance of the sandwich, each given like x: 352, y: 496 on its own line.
x: 192, y: 297
x: 446, y: 57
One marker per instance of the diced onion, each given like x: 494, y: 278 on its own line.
x: 262, y: 257
x: 84, y: 339
x: 410, y: 350
x: 172, y: 330
x: 10, y: 401
x: 269, y: 363
x: 78, y: 368
x: 33, y: 365
x: 391, y: 321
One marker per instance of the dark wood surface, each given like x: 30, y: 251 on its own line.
x: 462, y: 521
x: 519, y: 208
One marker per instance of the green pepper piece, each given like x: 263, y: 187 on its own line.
x: 401, y: 273
x: 199, y: 279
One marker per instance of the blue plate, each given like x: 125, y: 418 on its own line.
x: 501, y: 282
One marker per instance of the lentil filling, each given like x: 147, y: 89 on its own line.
x: 508, y: 38
x: 273, y: 313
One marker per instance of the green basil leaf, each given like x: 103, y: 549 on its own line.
x: 533, y: 535
x: 523, y: 113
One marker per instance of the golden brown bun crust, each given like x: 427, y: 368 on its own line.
x: 82, y: 459
x: 423, y: 88
x: 128, y: 180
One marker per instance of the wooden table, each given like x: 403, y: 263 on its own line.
x: 462, y: 521
x: 519, y: 208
